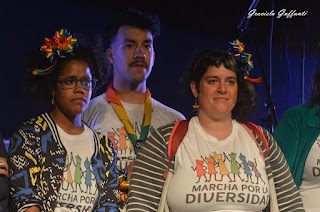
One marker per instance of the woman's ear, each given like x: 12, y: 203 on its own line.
x: 194, y: 89
x: 109, y: 55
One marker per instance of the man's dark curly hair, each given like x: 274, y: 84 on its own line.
x: 141, y: 19
x: 42, y: 85
x: 198, y: 66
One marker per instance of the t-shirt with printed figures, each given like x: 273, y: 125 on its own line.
x: 212, y: 175
x: 78, y: 191
x: 101, y: 116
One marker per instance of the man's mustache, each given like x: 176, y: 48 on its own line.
x: 139, y: 61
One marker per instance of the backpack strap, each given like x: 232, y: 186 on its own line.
x: 250, y: 128
x: 179, y: 131
x: 256, y: 129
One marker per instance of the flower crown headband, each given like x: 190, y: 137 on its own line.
x: 58, y: 46
x: 237, y: 51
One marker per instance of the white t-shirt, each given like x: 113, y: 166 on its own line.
x: 78, y: 191
x: 212, y: 175
x: 101, y: 117
x: 310, y: 185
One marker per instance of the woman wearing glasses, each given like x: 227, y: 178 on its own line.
x: 56, y: 162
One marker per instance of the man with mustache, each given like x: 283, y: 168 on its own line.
x: 126, y: 110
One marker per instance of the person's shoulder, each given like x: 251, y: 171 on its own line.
x: 299, y: 111
x: 253, y: 127
x: 100, y: 135
x: 96, y: 101
x: 38, y: 120
x: 301, y: 107
x: 168, y: 126
x: 167, y: 129
x: 97, y: 110
x: 34, y: 125
x: 96, y: 105
x: 162, y: 108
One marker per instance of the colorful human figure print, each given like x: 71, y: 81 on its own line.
x: 200, y: 170
x: 69, y: 175
x: 88, y: 175
x: 111, y: 138
x: 255, y: 170
x: 211, y: 168
x: 122, y: 138
x: 246, y: 167
x: 222, y: 167
x: 234, y: 166
x: 78, y: 173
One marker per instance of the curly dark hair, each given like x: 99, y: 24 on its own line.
x: 315, y: 92
x: 132, y: 17
x: 41, y: 86
x: 198, y: 66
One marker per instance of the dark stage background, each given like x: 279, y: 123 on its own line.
x: 288, y: 47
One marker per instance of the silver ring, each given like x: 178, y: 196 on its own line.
x: 0, y: 164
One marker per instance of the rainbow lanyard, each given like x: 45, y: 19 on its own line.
x: 113, y: 98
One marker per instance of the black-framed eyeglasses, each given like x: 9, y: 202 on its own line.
x: 69, y: 82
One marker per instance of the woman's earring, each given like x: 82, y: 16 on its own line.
x: 52, y: 100
x: 195, y: 106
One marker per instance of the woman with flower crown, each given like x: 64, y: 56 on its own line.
x: 56, y: 162
x: 221, y: 164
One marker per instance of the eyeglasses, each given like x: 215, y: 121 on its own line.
x: 71, y: 82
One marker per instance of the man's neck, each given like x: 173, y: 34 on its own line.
x: 130, y: 93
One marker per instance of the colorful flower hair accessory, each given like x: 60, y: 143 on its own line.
x: 58, y: 46
x: 237, y: 50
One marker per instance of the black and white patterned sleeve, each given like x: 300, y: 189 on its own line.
x: 288, y: 195
x: 147, y: 177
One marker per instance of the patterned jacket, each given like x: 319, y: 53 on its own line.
x: 148, y: 189
x: 36, y: 161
